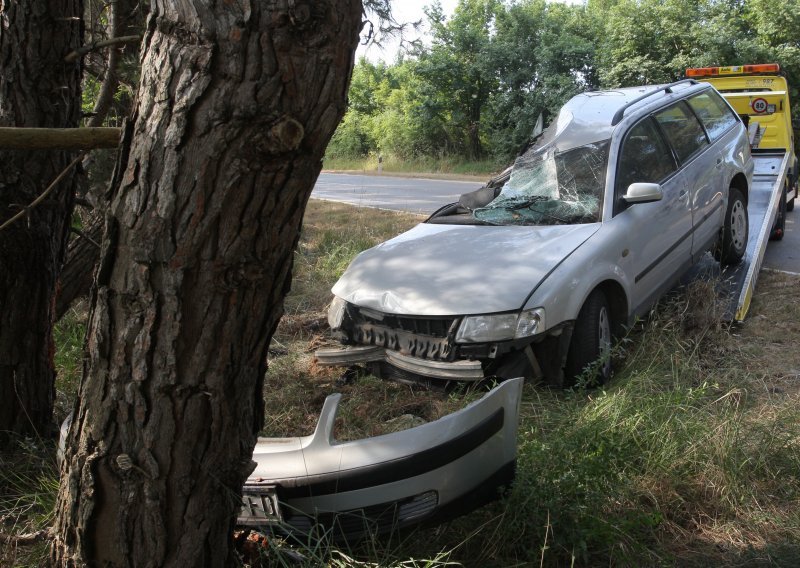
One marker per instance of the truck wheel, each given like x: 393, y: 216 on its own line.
x: 734, y: 231
x: 780, y: 220
x: 591, y: 342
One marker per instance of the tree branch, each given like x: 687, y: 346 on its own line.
x: 58, y: 138
x: 24, y: 539
x: 45, y: 193
x: 74, y: 55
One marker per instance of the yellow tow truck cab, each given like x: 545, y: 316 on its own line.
x: 760, y: 95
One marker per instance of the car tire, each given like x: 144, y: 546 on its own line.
x: 780, y: 220
x: 734, y: 231
x: 590, y: 346
x: 790, y: 205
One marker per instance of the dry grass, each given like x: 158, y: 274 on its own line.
x: 689, y: 457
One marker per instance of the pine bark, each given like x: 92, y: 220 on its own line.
x: 236, y: 105
x: 37, y: 89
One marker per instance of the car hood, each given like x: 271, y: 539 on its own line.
x: 458, y: 269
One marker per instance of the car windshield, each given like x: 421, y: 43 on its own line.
x: 549, y: 187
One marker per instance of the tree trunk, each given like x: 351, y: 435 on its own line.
x: 236, y: 105
x: 37, y: 89
x: 78, y: 269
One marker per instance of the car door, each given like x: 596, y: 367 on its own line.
x: 688, y: 139
x: 658, y: 243
x: 708, y: 170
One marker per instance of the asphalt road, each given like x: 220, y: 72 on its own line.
x: 784, y: 255
x: 416, y: 195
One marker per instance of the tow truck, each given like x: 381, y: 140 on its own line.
x: 760, y: 96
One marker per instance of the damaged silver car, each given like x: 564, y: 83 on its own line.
x: 378, y: 485
x: 536, y: 273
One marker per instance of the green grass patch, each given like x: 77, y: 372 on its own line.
x: 443, y: 165
x: 28, y: 489
x: 68, y: 337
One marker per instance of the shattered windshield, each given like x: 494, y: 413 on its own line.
x: 548, y: 187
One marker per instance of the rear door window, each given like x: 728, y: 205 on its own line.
x: 712, y: 111
x: 682, y: 129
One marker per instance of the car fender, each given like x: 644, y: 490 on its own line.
x: 565, y: 290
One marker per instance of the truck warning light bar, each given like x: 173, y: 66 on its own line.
x: 771, y: 68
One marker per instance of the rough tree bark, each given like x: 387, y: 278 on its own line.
x: 236, y: 105
x: 37, y: 89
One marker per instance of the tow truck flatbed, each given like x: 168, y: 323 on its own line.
x: 759, y: 94
x: 771, y: 168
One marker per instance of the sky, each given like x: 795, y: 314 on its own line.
x: 405, y: 11
x: 411, y: 11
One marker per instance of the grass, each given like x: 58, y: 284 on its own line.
x: 28, y: 472
x: 443, y: 165
x: 28, y: 488
x: 689, y: 457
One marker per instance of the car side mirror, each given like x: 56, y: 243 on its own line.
x: 643, y: 193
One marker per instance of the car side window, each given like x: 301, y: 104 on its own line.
x: 682, y: 130
x: 644, y: 157
x: 712, y: 111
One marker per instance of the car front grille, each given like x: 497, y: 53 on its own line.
x: 440, y: 327
x: 427, y: 338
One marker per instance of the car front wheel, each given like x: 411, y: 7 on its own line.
x: 734, y: 231
x: 589, y: 355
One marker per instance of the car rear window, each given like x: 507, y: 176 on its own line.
x: 712, y: 111
x: 682, y: 130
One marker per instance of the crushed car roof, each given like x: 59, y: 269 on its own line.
x: 588, y: 117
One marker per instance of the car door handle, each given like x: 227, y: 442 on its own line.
x: 719, y: 163
x: 683, y: 194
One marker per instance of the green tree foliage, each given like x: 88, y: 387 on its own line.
x: 477, y: 87
x: 460, y: 69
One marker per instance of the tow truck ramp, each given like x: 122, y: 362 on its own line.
x: 769, y: 177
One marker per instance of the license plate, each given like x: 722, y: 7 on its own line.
x: 259, y: 506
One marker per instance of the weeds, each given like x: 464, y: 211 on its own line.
x: 28, y: 488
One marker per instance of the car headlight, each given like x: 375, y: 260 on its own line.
x: 500, y: 327
x: 336, y: 312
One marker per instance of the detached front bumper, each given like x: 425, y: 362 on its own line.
x: 463, y: 370
x: 379, y: 484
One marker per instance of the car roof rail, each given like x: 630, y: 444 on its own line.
x: 665, y: 88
